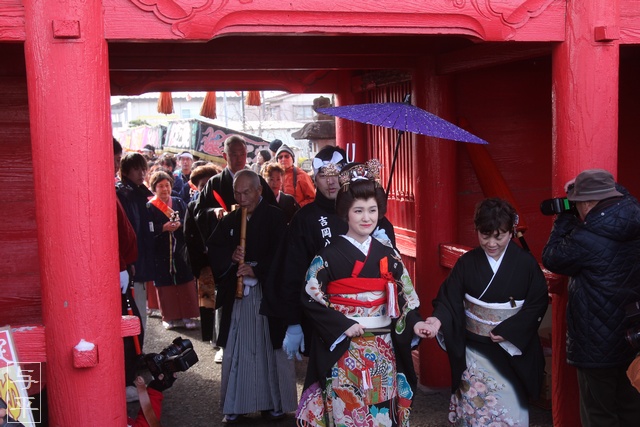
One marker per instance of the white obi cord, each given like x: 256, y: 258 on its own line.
x: 482, y: 317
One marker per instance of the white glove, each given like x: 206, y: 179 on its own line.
x: 124, y: 281
x: 293, y: 342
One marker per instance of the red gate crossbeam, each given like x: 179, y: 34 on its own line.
x: 30, y: 341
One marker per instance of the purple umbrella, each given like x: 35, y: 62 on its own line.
x: 404, y: 117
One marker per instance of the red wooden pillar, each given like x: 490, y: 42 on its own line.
x: 434, y: 165
x: 585, y: 89
x: 68, y: 88
x: 348, y: 131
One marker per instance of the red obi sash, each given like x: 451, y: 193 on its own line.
x: 356, y: 285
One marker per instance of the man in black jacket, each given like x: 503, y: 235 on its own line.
x: 133, y: 195
x: 255, y: 377
x: 217, y: 198
x: 599, y: 248
x: 218, y: 191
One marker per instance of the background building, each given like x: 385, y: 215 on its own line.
x: 279, y: 115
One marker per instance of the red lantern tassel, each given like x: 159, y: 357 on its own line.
x: 208, y: 108
x: 253, y: 98
x: 165, y: 103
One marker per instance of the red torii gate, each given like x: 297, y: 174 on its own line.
x: 67, y: 62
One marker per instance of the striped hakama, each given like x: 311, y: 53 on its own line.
x: 255, y: 377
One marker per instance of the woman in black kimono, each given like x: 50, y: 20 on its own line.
x: 363, y: 309
x: 487, y: 315
x: 174, y: 281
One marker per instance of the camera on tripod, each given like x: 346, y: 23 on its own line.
x: 632, y: 335
x: 177, y: 357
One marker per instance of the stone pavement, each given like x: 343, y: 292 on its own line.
x: 193, y: 400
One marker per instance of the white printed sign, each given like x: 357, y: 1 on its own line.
x: 15, y: 384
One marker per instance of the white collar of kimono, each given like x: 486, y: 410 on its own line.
x: 495, y: 264
x: 364, y: 246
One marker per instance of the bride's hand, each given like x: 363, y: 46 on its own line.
x: 354, y: 331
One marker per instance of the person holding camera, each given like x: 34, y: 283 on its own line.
x: 597, y: 244
x: 179, y: 356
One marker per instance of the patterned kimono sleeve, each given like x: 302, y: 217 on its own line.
x: 407, y: 297
x: 328, y: 323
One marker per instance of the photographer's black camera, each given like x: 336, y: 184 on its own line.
x: 632, y: 335
x: 177, y: 357
x: 556, y: 206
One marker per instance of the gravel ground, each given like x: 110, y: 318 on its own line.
x: 194, y: 399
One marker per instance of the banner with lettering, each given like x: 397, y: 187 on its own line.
x: 14, y: 385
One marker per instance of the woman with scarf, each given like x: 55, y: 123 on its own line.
x: 364, y: 313
x: 174, y: 280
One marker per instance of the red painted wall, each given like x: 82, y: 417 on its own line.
x: 20, y: 296
x: 510, y: 107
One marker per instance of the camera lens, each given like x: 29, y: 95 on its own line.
x: 633, y: 336
x: 178, y: 346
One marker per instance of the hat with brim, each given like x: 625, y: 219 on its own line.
x: 593, y: 184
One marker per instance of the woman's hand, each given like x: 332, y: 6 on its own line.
x: 354, y: 331
x: 219, y: 213
x: 421, y: 329
x: 429, y: 328
x: 171, y: 226
x: 496, y: 338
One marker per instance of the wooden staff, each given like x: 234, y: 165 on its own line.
x: 243, y: 236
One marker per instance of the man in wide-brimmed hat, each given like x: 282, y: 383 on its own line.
x: 598, y: 246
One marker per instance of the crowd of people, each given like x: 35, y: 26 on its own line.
x: 277, y: 264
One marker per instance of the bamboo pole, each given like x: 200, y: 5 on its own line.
x: 243, y: 235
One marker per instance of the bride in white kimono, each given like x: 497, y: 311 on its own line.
x: 486, y: 316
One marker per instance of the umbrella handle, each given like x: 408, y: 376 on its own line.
x: 406, y: 100
x: 523, y: 242
x: 393, y: 162
x: 351, y: 152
